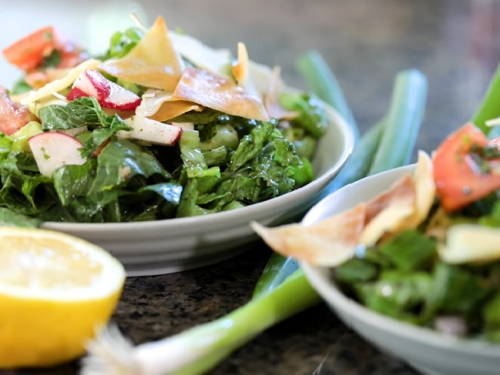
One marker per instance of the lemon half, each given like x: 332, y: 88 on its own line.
x: 56, y: 291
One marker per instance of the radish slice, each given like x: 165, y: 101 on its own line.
x: 52, y: 150
x: 108, y: 94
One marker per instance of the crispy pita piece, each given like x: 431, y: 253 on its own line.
x: 425, y: 192
x: 153, y: 62
x: 328, y: 243
x: 240, y: 68
x: 212, y: 91
x: 271, y: 101
x: 160, y: 106
x: 216, y: 61
x: 386, y: 212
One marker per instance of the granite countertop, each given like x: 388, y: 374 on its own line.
x: 366, y: 42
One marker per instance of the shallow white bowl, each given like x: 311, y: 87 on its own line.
x: 428, y: 351
x: 165, y: 246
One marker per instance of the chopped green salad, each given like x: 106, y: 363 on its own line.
x: 426, y: 250
x: 160, y: 126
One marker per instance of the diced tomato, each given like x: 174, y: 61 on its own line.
x: 29, y: 52
x: 13, y: 116
x: 459, y: 179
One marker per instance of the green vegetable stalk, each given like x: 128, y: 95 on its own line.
x: 489, y: 108
x: 321, y: 80
x: 402, y: 121
x: 197, y: 350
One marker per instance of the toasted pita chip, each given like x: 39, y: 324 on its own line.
x: 216, y: 61
x: 209, y: 90
x: 425, y: 192
x: 240, y: 69
x: 386, y: 212
x: 59, y: 84
x: 328, y: 243
x: 153, y: 62
x: 160, y: 106
x: 271, y: 101
x: 261, y: 77
x: 241, y: 72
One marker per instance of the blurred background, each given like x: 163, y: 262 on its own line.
x: 365, y: 42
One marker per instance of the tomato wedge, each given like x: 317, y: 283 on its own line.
x: 29, y: 51
x: 459, y: 179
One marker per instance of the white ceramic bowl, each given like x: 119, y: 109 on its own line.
x: 165, y: 246
x: 428, y: 351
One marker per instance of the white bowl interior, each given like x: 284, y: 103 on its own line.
x: 428, y: 351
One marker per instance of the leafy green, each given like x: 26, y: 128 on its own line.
x: 12, y: 218
x: 312, y: 116
x: 204, y: 117
x: 20, y: 87
x: 304, y: 173
x: 83, y: 112
x: 188, y: 205
x: 121, y: 43
x: 218, y: 135
x: 5, y: 146
x: 409, y: 250
x: 491, y: 313
x: 305, y: 145
x: 396, y: 294
x: 193, y: 158
x: 21, y: 137
x: 121, y: 160
x: 78, y: 113
x: 356, y: 270
x: 72, y: 181
x: 251, y: 145
x: 216, y: 156
x: 22, y: 185
x: 493, y: 218
x: 454, y: 290
x: 52, y: 60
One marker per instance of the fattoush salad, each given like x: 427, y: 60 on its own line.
x: 160, y: 126
x: 425, y: 251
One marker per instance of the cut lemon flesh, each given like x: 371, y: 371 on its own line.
x: 56, y: 292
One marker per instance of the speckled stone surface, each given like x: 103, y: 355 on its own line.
x: 366, y: 42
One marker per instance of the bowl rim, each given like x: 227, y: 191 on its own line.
x: 343, y: 128
x: 332, y: 295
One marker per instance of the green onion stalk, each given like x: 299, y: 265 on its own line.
x: 198, y: 349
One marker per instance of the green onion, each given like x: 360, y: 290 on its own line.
x: 489, y: 108
x: 360, y: 161
x: 277, y: 269
x: 321, y: 80
x: 198, y: 349
x: 402, y: 122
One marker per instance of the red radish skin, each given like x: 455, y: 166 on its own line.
x: 53, y: 150
x: 108, y: 94
x: 76, y: 93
